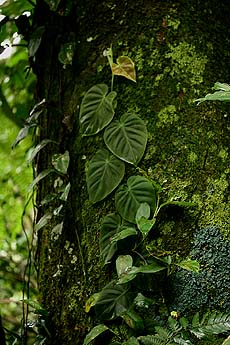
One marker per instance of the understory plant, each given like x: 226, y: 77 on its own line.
x: 141, y: 269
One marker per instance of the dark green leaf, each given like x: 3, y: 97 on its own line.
x: 133, y: 320
x: 61, y: 162
x: 35, y: 305
x: 38, y: 148
x: 40, y: 177
x: 65, y: 193
x: 43, y: 221
x: 131, y: 341
x: 113, y: 301
x: 104, y: 174
x: 143, y: 211
x: 22, y: 134
x: 94, y: 333
x: 109, y: 236
x: 35, y: 40
x: 97, y: 109
x: 126, y: 138
x: 129, y: 197
x: 125, y: 232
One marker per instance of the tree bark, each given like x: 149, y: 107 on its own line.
x: 180, y: 50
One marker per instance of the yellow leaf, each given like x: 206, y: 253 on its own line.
x: 124, y: 67
x: 91, y: 302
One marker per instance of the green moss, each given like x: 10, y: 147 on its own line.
x: 167, y: 116
x: 192, y: 157
x: 186, y: 61
x: 215, y: 204
x: 223, y: 154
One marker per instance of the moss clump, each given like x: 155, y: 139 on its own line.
x: 186, y: 61
x: 210, y: 288
x: 215, y: 203
x: 167, y: 115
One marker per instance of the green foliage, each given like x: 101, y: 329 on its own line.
x: 112, y: 227
x: 126, y: 138
x: 113, y: 300
x: 222, y: 93
x: 97, y: 109
x: 215, y: 323
x: 144, y: 224
x: 128, y: 198
x: 104, y: 174
x: 125, y: 231
x: 210, y: 286
x: 95, y: 332
x: 182, y: 331
x: 15, y: 76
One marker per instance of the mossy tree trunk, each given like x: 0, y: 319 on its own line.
x: 180, y: 48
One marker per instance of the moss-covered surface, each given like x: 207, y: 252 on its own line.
x: 180, y: 48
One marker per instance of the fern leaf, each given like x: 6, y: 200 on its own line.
x: 164, y: 333
x: 152, y: 340
x: 181, y: 341
x: 216, y: 323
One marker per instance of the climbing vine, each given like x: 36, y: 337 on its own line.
x: 124, y: 233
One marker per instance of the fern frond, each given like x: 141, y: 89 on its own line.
x: 164, y: 333
x: 181, y: 341
x: 216, y: 323
x: 152, y: 340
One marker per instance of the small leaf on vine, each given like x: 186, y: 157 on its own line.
x: 124, y: 67
x: 94, y: 333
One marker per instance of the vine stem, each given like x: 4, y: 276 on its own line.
x: 112, y: 79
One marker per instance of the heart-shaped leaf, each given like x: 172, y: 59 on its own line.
x: 129, y: 197
x: 126, y: 138
x: 123, y: 264
x: 113, y: 301
x: 61, y: 162
x: 111, y: 228
x: 97, y: 109
x: 104, y: 174
x: 124, y: 67
x: 143, y: 223
x: 143, y: 211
